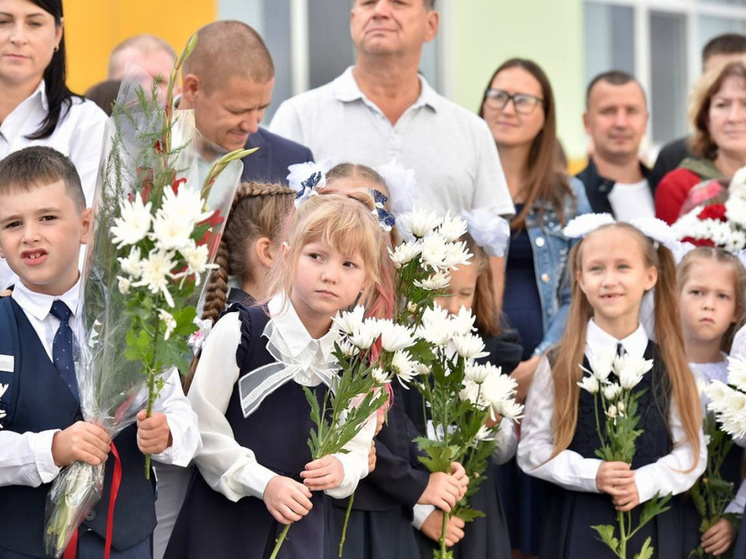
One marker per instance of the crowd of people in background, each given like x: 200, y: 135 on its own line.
x: 550, y: 301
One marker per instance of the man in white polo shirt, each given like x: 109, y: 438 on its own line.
x: 381, y: 109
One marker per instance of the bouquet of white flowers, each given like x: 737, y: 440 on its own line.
x: 616, y: 401
x: 156, y: 230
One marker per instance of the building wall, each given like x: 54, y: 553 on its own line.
x: 488, y: 32
x: 94, y: 27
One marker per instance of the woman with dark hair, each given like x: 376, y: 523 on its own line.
x: 518, y: 105
x: 718, y: 116
x: 36, y: 107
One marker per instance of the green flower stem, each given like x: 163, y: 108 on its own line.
x: 151, y: 379
x: 344, y: 527
x: 444, y: 526
x: 169, y: 106
x: 279, y: 542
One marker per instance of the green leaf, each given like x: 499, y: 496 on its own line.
x: 606, y: 535
x: 646, y: 552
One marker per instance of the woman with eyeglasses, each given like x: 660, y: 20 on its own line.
x: 518, y: 105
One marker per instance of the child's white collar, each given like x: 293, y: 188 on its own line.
x: 599, y: 341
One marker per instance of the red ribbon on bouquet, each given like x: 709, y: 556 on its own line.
x: 116, y: 480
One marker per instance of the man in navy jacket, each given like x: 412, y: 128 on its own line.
x: 228, y: 81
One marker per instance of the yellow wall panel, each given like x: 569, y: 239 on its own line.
x: 94, y: 27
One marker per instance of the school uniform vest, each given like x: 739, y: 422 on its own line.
x: 45, y: 402
x: 211, y: 525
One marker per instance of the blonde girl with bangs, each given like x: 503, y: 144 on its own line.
x: 255, y: 473
x: 612, y: 268
x: 712, y: 302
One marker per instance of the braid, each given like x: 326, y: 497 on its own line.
x: 258, y: 210
x: 217, y: 289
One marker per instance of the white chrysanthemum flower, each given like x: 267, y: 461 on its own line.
x: 477, y: 373
x: 132, y: 264
x: 511, y: 409
x: 737, y: 372
x: 463, y: 322
x: 419, y: 222
x: 435, y: 282
x: 485, y: 434
x: 412, y: 307
x: 436, y: 327
x: 168, y: 320
x: 347, y: 349
x: 498, y: 391
x: 716, y: 393
x: 366, y: 333
x: 133, y: 223
x: 452, y: 228
x: 472, y: 392
x: 421, y: 369
x: 735, y: 210
x: 156, y: 273
x: 590, y: 384
x: 738, y: 182
x: 611, y: 413
x: 395, y: 336
x: 612, y: 391
x: 434, y: 251
x: 405, y: 253
x: 602, y: 363
x: 348, y: 322
x: 402, y: 366
x: 630, y: 369
x: 124, y: 285
x: 456, y: 254
x: 469, y: 346
x: 186, y: 207
x: 196, y: 258
x: 380, y: 376
x: 170, y: 232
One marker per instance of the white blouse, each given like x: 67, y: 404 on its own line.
x: 227, y: 466
x: 570, y: 470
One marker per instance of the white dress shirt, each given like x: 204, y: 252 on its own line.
x: 26, y: 458
x: 227, y: 466
x: 450, y: 149
x: 79, y: 135
x: 570, y: 470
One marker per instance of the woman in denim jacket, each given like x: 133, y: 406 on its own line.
x: 518, y: 106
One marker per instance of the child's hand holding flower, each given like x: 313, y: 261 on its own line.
x: 153, y: 433
x: 325, y: 473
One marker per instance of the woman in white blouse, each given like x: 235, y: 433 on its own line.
x: 36, y: 107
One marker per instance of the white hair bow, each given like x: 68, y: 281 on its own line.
x: 489, y: 230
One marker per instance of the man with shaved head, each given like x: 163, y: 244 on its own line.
x: 228, y: 81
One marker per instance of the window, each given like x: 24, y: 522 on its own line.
x: 660, y: 42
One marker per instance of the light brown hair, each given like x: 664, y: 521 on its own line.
x: 485, y: 307
x: 702, y: 144
x: 705, y: 255
x: 545, y: 183
x: 258, y: 210
x: 566, y: 371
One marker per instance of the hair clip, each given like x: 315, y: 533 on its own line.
x: 402, y: 186
x: 307, y: 178
x: 489, y: 230
x: 385, y: 219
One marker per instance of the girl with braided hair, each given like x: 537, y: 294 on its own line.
x: 248, y: 246
x: 250, y: 240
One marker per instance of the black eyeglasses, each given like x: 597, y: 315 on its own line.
x: 524, y: 103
